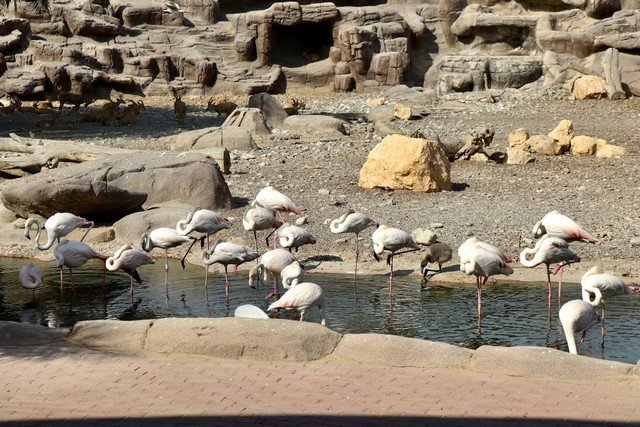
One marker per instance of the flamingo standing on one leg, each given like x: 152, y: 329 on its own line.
x: 57, y: 226
x: 578, y: 316
x: 273, y: 261
x: 202, y: 221
x: 557, y: 225
x: 275, y: 201
x: 164, y: 238
x: 549, y: 250
x: 482, y: 260
x: 392, y: 240
x: 226, y: 253
x: 597, y: 282
x: 31, y: 276
x: 352, y: 222
x: 300, y: 298
x: 74, y: 254
x: 292, y: 237
x: 129, y: 259
x: 257, y: 219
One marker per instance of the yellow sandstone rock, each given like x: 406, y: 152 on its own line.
x: 562, y: 134
x: 400, y: 162
x: 589, y: 87
x: 609, y: 150
x: 518, y: 137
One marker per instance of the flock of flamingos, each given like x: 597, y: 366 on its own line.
x: 554, y: 232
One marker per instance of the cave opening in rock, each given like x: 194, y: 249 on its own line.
x: 298, y: 45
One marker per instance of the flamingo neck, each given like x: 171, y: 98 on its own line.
x: 571, y: 339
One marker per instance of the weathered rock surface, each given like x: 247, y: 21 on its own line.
x: 543, y: 144
x: 400, y: 162
x: 423, y: 236
x: 273, y: 113
x: 390, y: 350
x: 231, y: 338
x: 583, y: 145
x: 589, y: 87
x: 232, y: 138
x: 120, y: 184
x: 518, y: 138
x: 167, y: 214
x: 19, y: 334
x: 315, y: 123
x: 609, y: 150
x: 545, y: 362
x: 562, y: 135
x: 250, y: 119
x: 517, y: 156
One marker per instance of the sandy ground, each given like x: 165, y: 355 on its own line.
x: 497, y: 203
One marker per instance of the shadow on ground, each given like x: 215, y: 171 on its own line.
x: 315, y: 420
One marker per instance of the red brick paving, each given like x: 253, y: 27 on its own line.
x: 69, y: 383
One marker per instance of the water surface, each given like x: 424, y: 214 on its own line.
x: 513, y: 314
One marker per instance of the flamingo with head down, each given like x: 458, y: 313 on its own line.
x: 31, y: 276
x: 578, y: 316
x: 301, y: 298
x: 203, y: 221
x: 274, y: 262
x: 129, y: 259
x: 391, y: 240
x: 57, y: 226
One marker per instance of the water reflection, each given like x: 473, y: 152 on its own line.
x: 514, y: 314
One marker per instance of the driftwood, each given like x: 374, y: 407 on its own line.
x: 42, y: 153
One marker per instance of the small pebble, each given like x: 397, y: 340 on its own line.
x: 301, y: 221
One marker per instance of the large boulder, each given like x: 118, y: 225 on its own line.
x: 583, y: 145
x: 250, y: 119
x: 543, y: 144
x: 316, y: 123
x: 131, y: 227
x: 562, y: 134
x: 609, y: 150
x: 400, y: 162
x: 120, y: 184
x: 589, y: 87
x: 232, y: 138
x: 271, y: 109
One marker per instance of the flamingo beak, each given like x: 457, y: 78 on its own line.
x: 375, y: 255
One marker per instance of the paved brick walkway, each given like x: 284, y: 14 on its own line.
x: 52, y: 384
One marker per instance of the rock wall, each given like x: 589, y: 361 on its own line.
x: 90, y: 49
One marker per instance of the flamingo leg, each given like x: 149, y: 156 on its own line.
x: 193, y: 242
x: 226, y: 285
x: 61, y: 283
x: 73, y: 284
x: 166, y: 272
x: 549, y: 296
x: 602, y: 326
x: 85, y: 233
x: 235, y: 269
x: 302, y: 315
x: 206, y: 276
x: 357, y: 256
x: 255, y: 238
x: 479, y: 291
x: 560, y: 287
x: 391, y: 275
x: 208, y: 244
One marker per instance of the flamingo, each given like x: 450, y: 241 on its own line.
x: 578, y: 316
x: 273, y: 261
x: 352, y: 222
x: 250, y: 311
x: 438, y: 253
x: 226, y: 253
x: 549, y: 250
x: 202, y: 221
x: 57, y: 226
x: 300, y: 298
x: 597, y: 282
x: 165, y: 238
x: 257, y: 219
x: 557, y: 225
x: 31, y: 276
x: 272, y: 199
x: 482, y: 260
x: 292, y: 237
x: 73, y: 254
x: 129, y: 259
x: 392, y: 240
x: 292, y: 275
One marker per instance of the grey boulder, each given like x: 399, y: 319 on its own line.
x: 131, y: 227
x: 315, y: 123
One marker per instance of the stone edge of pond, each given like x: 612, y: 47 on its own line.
x: 277, y: 340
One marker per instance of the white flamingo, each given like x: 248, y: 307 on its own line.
x: 292, y: 237
x: 352, y: 222
x: 557, y: 225
x: 578, y: 316
x: 392, y: 240
x: 300, y: 298
x: 226, y: 253
x: 129, y: 259
x: 482, y: 260
x: 549, y: 250
x: 165, y: 238
x: 73, y: 254
x: 600, y: 283
x: 258, y: 219
x: 31, y: 276
x: 203, y: 221
x: 272, y: 199
x: 57, y: 226
x: 292, y: 275
x: 273, y: 261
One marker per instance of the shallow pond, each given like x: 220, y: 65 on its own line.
x: 513, y: 314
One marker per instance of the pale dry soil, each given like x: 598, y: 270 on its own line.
x: 498, y: 203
